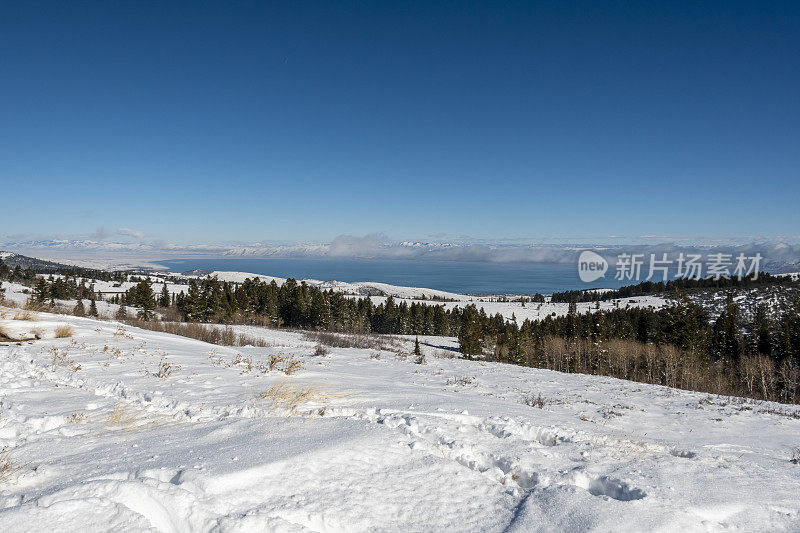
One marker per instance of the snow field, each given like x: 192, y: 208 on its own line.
x: 365, y: 440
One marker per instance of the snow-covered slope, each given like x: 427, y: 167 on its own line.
x: 366, y: 440
x: 360, y: 287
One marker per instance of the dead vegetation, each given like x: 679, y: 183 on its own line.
x: 321, y: 350
x: 534, y: 400
x: 223, y: 336
x: 25, y: 314
x: 462, y: 381
x: 75, y: 418
x: 283, y: 396
x: 286, y: 363
x: 122, y: 416
x: 363, y: 341
x: 165, y: 369
x: 60, y: 358
x: 64, y: 330
x: 781, y: 411
x: 291, y: 364
x: 10, y: 469
x: 126, y: 418
x: 245, y: 362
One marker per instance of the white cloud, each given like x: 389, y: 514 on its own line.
x: 348, y: 245
x: 136, y: 234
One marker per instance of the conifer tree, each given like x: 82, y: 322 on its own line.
x: 789, y: 333
x: 41, y: 291
x: 470, y: 336
x: 762, y: 331
x: 163, y: 300
x: 141, y: 296
x: 725, y: 336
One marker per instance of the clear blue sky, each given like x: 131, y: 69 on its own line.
x: 220, y: 121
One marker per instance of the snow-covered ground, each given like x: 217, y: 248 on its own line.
x: 366, y: 440
x: 359, y: 287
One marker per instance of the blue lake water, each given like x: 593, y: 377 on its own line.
x: 453, y: 276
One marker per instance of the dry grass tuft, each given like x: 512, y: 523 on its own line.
x: 284, y: 396
x: 462, y: 381
x: 165, y: 369
x: 245, y: 362
x: 33, y: 305
x: 534, y: 401
x: 288, y: 364
x: 122, y: 416
x: 64, y: 330
x: 291, y: 365
x: 76, y: 418
x: 10, y: 468
x: 129, y: 419
x: 61, y: 359
x: 321, y: 350
x: 25, y: 315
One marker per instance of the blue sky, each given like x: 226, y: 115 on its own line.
x: 218, y: 121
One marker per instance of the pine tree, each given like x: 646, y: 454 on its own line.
x: 191, y: 303
x: 319, y: 311
x: 789, y: 333
x: 141, y: 296
x: 163, y: 300
x: 417, y: 350
x: 122, y: 314
x: 726, y: 336
x: 762, y: 331
x: 470, y: 336
x: 41, y: 292
x: 93, y: 308
x: 79, y: 309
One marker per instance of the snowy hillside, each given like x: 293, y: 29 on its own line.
x: 361, y: 287
x: 114, y: 428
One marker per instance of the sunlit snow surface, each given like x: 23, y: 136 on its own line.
x: 378, y: 444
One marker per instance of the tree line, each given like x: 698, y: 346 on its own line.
x: 645, y: 288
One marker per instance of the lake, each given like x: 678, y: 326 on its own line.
x: 453, y: 276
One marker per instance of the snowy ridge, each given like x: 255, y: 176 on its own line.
x: 360, y: 287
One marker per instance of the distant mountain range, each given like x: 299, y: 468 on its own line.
x: 777, y: 257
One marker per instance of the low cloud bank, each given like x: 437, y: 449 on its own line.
x: 777, y: 257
